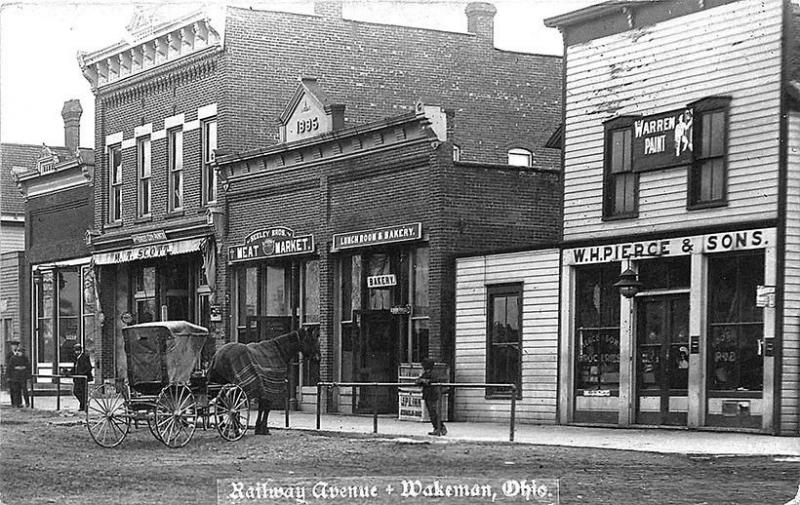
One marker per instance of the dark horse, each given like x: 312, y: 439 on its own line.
x: 260, y: 368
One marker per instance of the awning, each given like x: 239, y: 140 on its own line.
x: 148, y: 251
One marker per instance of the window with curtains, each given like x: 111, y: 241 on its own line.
x: 504, y: 339
x: 736, y: 324
x: 708, y: 176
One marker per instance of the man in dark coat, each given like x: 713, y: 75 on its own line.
x: 430, y: 394
x: 83, y: 366
x: 19, y: 371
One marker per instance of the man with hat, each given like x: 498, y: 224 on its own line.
x: 18, y: 372
x: 83, y: 366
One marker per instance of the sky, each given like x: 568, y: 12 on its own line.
x: 40, y: 40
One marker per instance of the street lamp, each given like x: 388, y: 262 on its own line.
x: 627, y: 284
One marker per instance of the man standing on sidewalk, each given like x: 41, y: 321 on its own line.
x: 19, y: 371
x: 83, y: 366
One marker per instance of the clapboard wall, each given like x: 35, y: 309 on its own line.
x: 538, y: 272
x: 790, y: 376
x: 733, y: 49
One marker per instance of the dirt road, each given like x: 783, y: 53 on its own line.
x: 50, y: 458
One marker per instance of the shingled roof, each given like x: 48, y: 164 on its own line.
x: 16, y: 155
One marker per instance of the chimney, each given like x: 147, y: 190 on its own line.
x: 328, y: 9
x: 71, y: 112
x: 480, y: 20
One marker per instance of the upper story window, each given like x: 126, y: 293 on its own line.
x: 175, y: 161
x: 456, y: 153
x: 708, y: 173
x: 115, y: 184
x: 144, y: 175
x: 519, y: 157
x: 621, y: 184
x: 209, y: 139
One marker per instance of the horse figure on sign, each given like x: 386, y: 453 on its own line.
x: 260, y: 368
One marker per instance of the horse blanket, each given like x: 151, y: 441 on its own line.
x: 258, y: 368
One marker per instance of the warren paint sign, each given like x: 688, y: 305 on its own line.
x: 702, y: 244
x: 399, y: 233
x: 663, y: 140
x: 279, y: 241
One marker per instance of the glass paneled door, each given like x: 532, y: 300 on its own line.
x: 662, y: 360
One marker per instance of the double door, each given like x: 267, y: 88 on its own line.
x: 662, y: 360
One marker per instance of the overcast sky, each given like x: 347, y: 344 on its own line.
x: 39, y: 41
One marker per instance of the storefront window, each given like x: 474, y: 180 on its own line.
x: 278, y: 291
x: 379, y: 298
x: 177, y: 283
x: 45, y: 347
x: 735, y: 357
x: 597, y: 326
x: 145, y: 295
x: 420, y: 322
x: 69, y: 290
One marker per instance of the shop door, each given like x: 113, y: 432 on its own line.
x: 376, y: 359
x: 662, y: 365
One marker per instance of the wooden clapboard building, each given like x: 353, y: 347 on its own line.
x: 680, y: 288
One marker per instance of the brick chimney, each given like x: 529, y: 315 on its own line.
x: 71, y: 112
x: 480, y: 20
x: 328, y: 9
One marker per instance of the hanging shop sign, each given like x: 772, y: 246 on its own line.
x: 278, y: 241
x: 381, y: 281
x: 386, y: 235
x: 663, y: 140
x: 681, y: 246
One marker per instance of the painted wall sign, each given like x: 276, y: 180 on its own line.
x: 663, y: 140
x: 708, y: 244
x: 765, y: 296
x: 381, y: 281
x: 399, y: 233
x: 278, y: 241
x: 151, y: 236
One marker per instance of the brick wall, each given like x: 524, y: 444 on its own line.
x: 501, y: 99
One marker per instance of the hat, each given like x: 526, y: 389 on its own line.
x: 77, y: 346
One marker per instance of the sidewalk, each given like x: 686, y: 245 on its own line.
x: 667, y: 441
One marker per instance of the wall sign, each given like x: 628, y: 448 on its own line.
x: 389, y: 234
x: 596, y: 392
x: 278, y: 241
x: 765, y: 296
x: 694, y: 344
x: 663, y: 140
x: 681, y: 246
x: 151, y: 236
x: 381, y: 281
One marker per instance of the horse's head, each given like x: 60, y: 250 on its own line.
x: 309, y: 343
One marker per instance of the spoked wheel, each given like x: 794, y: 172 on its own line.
x: 107, y: 415
x: 175, y: 415
x: 232, y: 412
x: 151, y: 423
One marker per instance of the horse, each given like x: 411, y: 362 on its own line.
x: 260, y: 368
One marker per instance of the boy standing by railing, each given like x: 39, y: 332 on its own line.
x: 430, y: 394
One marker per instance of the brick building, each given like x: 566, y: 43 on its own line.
x: 185, y: 89
x: 58, y: 281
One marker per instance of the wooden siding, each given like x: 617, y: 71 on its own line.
x: 12, y: 238
x: 734, y: 50
x: 538, y: 272
x: 790, y: 378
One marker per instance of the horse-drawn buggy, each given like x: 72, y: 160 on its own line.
x: 168, y: 389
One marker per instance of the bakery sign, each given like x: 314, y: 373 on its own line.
x: 663, y: 140
x: 271, y: 242
x: 377, y: 236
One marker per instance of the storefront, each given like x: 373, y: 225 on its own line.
x: 688, y: 343
x: 383, y: 316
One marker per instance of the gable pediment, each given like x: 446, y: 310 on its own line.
x: 309, y: 113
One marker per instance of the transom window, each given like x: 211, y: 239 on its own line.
x: 519, y: 157
x: 504, y: 339
x: 115, y: 181
x: 144, y: 172
x: 708, y: 173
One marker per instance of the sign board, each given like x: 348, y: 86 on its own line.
x: 765, y: 296
x: 381, y: 281
x: 663, y: 140
x: 151, y: 236
x: 400, y: 310
x: 386, y: 235
x: 596, y: 392
x: 278, y: 241
x: 681, y: 246
x: 694, y: 344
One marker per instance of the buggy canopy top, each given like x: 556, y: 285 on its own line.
x: 160, y: 353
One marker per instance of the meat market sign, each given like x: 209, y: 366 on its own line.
x: 663, y: 140
x: 389, y: 234
x: 278, y: 241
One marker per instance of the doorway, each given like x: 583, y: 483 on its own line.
x: 662, y: 360
x: 375, y: 360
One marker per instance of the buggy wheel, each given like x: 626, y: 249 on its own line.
x: 175, y: 415
x: 107, y: 416
x: 151, y: 423
x: 231, y: 412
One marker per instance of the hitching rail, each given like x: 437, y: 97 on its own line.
x: 57, y: 380
x: 439, y: 385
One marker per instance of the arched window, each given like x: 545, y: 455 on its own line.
x: 456, y: 153
x: 519, y: 157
